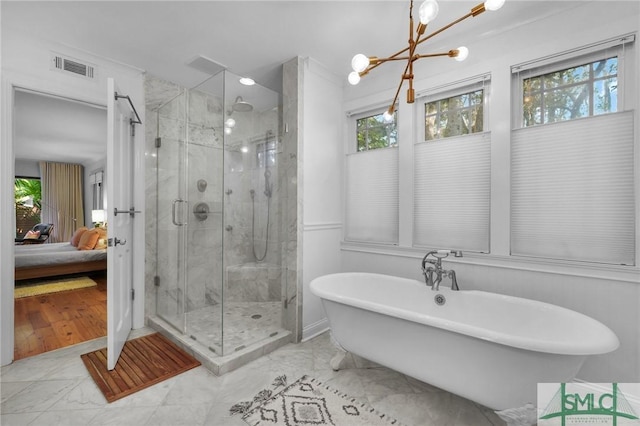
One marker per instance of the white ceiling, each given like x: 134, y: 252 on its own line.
x: 58, y: 130
x: 251, y: 38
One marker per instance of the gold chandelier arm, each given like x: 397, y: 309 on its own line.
x: 390, y: 58
x: 474, y: 12
x: 450, y: 53
x: 395, y: 98
x: 392, y: 107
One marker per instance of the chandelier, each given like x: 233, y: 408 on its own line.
x: 428, y: 11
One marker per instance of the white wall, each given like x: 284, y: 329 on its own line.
x: 27, y: 168
x: 321, y: 162
x: 609, y: 294
x: 25, y: 64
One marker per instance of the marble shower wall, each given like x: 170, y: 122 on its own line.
x: 291, y: 178
x: 245, y: 173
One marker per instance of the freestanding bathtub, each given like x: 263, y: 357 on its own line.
x: 489, y: 348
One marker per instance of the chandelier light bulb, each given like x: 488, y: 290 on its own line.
x: 359, y: 62
x: 387, y: 117
x: 429, y: 10
x: 354, y: 78
x: 493, y: 4
x: 230, y: 123
x: 227, y: 130
x: 463, y: 52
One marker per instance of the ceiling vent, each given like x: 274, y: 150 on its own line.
x: 69, y: 65
x: 206, y: 65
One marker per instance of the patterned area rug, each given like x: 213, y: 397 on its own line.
x: 53, y: 286
x: 307, y: 402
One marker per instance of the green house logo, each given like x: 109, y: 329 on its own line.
x: 589, y: 406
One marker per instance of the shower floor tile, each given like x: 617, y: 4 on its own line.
x: 245, y: 323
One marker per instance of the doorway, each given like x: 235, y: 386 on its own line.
x: 61, y: 130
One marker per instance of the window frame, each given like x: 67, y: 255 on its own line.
x: 372, y: 112
x: 564, y: 62
x: 352, y: 150
x: 455, y: 89
x: 622, y: 47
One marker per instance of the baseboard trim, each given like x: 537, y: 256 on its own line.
x: 315, y: 329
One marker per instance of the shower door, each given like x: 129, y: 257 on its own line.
x: 171, y: 226
x: 189, y: 210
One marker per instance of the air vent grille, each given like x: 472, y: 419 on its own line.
x: 65, y: 64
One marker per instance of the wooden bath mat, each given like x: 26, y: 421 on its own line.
x: 144, y: 362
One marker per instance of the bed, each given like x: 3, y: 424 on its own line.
x: 47, y: 260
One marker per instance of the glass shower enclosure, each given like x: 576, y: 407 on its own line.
x: 219, y: 274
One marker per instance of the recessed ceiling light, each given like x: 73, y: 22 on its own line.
x: 247, y: 81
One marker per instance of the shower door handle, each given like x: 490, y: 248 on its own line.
x: 173, y: 212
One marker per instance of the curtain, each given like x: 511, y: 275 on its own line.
x: 62, y: 201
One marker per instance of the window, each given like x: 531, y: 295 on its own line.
x: 373, y: 132
x: 95, y: 180
x: 452, y: 170
x: 28, y: 199
x: 372, y: 181
x: 266, y: 154
x: 572, y: 181
x: 575, y: 92
x: 454, y: 116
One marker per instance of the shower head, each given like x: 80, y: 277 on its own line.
x: 241, y: 106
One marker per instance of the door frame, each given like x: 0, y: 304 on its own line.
x: 9, y: 83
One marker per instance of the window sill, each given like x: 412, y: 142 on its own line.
x: 622, y: 273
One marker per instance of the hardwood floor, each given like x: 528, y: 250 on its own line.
x: 51, y: 321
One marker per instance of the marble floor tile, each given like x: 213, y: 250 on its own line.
x: 55, y: 389
x: 181, y: 415
x: 11, y: 388
x: 64, y: 417
x: 38, y: 396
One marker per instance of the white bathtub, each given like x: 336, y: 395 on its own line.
x: 489, y: 348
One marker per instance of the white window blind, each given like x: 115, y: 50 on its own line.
x: 372, y: 196
x: 572, y: 193
x: 452, y: 193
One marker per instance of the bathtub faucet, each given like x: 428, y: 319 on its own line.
x: 436, y: 267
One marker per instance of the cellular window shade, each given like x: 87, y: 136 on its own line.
x: 452, y: 193
x: 372, y: 196
x: 572, y: 190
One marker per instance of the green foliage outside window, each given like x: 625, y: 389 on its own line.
x: 454, y: 116
x: 373, y: 132
x: 581, y: 91
x: 28, y: 204
x: 28, y: 190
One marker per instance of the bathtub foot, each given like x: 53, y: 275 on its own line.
x: 522, y: 416
x: 337, y: 359
x: 340, y: 355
